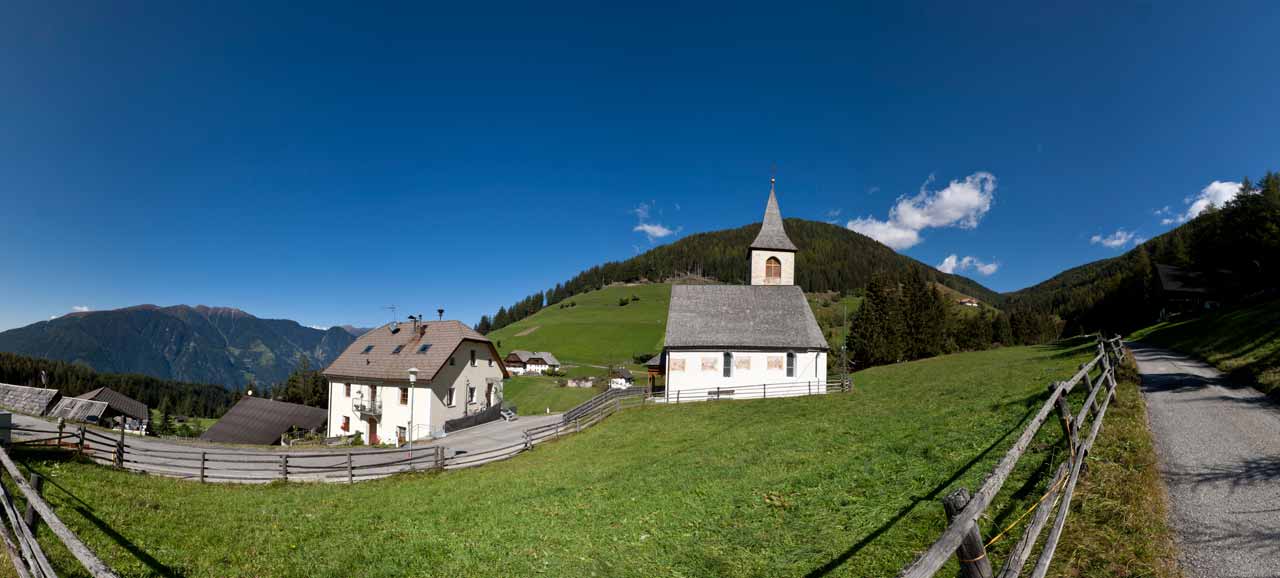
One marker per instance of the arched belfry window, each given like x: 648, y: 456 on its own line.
x: 773, y: 269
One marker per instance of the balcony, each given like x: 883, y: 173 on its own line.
x: 367, y: 408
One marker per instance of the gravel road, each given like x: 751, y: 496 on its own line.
x: 1219, y: 449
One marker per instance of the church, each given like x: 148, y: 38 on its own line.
x: 746, y: 341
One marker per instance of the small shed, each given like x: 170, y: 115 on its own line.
x: 28, y: 400
x: 255, y: 420
x: 119, y: 405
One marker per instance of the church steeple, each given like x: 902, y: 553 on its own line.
x: 773, y: 255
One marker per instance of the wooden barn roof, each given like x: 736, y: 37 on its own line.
x: 28, y: 400
x: 255, y: 420
x: 119, y: 402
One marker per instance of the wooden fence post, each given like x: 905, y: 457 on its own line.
x: 284, y: 466
x: 1089, y: 382
x: 120, y: 449
x: 350, y: 477
x: 972, y: 554
x: 62, y: 424
x: 1064, y: 416
x: 32, y: 517
x: 80, y: 443
x: 202, y: 460
x: 440, y: 457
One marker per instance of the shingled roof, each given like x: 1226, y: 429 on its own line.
x: 773, y: 236
x: 119, y: 402
x: 525, y: 356
x: 76, y: 409
x: 742, y: 316
x: 374, y: 356
x: 28, y: 400
x: 255, y: 420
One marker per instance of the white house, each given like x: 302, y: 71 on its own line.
x: 521, y: 362
x: 621, y: 378
x: 746, y: 341
x: 407, y: 380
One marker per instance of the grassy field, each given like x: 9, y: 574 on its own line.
x: 533, y: 394
x: 841, y: 485
x: 1244, y: 342
x: 596, y: 329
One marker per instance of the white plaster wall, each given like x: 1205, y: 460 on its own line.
x: 758, y: 258
x: 811, y: 366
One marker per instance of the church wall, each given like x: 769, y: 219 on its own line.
x: 788, y: 259
x: 696, y: 371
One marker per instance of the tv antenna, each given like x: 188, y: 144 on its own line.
x: 392, y: 309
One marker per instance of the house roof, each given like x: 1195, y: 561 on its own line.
x: 746, y: 316
x: 525, y: 356
x: 119, y: 402
x: 772, y: 235
x: 654, y: 361
x: 255, y: 420
x: 1178, y: 279
x: 28, y: 400
x: 622, y: 372
x: 384, y: 364
x: 78, y: 409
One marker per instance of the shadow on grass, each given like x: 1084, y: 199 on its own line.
x: 44, y: 455
x: 933, y: 494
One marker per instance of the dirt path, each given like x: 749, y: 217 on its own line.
x: 1219, y: 450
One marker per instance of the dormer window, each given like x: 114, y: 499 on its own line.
x: 424, y: 348
x: 397, y: 350
x: 367, y: 350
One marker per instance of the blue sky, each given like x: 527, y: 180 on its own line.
x: 321, y: 164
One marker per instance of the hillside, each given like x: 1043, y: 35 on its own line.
x: 1238, y: 243
x: 831, y: 258
x: 194, y: 344
x: 1244, y: 342
x: 592, y: 328
x: 838, y: 485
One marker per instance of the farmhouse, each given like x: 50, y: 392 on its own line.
x: 621, y: 378
x: 757, y: 340
x: 407, y: 381
x: 521, y: 362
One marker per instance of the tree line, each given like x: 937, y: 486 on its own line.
x: 192, y: 399
x: 907, y: 318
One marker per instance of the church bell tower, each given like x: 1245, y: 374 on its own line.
x: 773, y: 255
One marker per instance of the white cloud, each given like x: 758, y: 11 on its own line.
x: 1216, y: 194
x: 833, y: 213
x: 653, y: 230
x: 80, y: 308
x: 961, y: 204
x: 1162, y: 211
x: 642, y: 212
x: 953, y: 264
x: 1115, y: 240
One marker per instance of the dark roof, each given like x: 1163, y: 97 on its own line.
x: 28, y: 400
x: 772, y: 236
x: 262, y: 421
x: 76, y: 409
x: 746, y: 316
x: 526, y: 356
x: 654, y: 361
x: 1181, y: 280
x: 381, y: 363
x: 622, y: 372
x: 119, y: 402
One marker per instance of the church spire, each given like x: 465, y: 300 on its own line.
x: 772, y: 235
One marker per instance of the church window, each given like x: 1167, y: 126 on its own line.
x: 791, y: 365
x: 773, y: 269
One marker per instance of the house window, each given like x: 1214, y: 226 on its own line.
x: 397, y: 350
x: 404, y: 396
x: 346, y: 423
x: 490, y: 363
x: 473, y: 358
x: 448, y: 397
x: 728, y: 364
x: 452, y: 361
x: 346, y: 389
x: 791, y: 365
x: 773, y: 269
x: 424, y: 348
x: 471, y: 394
x: 367, y: 350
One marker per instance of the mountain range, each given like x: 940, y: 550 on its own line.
x: 194, y: 344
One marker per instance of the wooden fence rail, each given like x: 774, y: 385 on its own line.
x: 962, y: 538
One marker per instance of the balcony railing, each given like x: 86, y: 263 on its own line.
x: 367, y: 407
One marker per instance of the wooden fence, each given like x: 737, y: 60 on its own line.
x: 963, y: 537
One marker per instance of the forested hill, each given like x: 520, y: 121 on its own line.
x: 1236, y: 246
x: 831, y: 258
x: 200, y: 344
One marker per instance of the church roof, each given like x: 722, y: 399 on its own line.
x: 772, y: 236
x: 742, y: 316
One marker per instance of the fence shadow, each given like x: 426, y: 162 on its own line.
x: 155, y: 565
x: 1246, y: 472
x: 932, y: 496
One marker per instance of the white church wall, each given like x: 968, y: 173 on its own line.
x: 695, y: 372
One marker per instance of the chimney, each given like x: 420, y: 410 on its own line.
x: 440, y: 312
x: 415, y: 323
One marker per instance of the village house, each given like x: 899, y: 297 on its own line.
x: 407, y: 381
x: 621, y: 378
x: 521, y: 362
x: 740, y: 341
